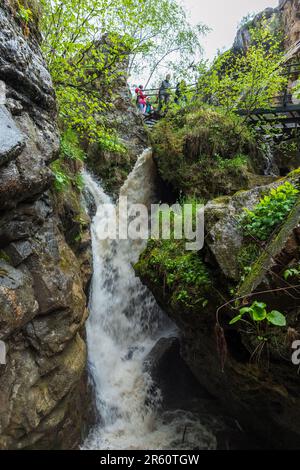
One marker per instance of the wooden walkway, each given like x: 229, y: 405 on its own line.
x: 283, y: 114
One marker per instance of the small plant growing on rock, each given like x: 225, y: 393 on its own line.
x: 292, y: 272
x: 271, y: 210
x: 259, y: 335
x: 24, y: 14
x: 258, y: 313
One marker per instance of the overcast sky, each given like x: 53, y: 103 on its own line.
x: 223, y: 16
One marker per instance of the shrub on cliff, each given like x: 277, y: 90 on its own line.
x: 203, y: 152
x: 271, y: 210
x: 249, y: 79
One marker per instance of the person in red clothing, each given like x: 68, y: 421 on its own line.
x: 141, y: 99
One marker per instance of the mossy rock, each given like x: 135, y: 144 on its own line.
x: 273, y: 249
x: 203, y: 153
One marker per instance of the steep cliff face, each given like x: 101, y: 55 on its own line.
x: 286, y: 17
x: 290, y: 12
x: 42, y: 299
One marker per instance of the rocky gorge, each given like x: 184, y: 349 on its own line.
x: 162, y: 339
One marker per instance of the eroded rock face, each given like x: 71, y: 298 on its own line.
x: 256, y: 382
x: 42, y: 301
x: 285, y: 17
x: 291, y: 19
x: 243, y: 37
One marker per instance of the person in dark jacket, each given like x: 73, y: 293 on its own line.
x: 164, y: 92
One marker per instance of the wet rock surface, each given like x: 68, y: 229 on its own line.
x: 122, y: 118
x: 43, y: 385
x: 12, y: 140
x: 256, y: 384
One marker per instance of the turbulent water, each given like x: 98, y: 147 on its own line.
x: 124, y: 325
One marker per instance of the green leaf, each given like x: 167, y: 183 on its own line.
x: 245, y: 310
x: 258, y: 314
x: 276, y: 318
x: 259, y: 305
x: 235, y: 319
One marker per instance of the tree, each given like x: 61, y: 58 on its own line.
x: 83, y: 66
x: 85, y: 69
x: 164, y: 40
x: 249, y: 79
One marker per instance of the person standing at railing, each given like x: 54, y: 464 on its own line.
x: 141, y: 99
x: 164, y: 92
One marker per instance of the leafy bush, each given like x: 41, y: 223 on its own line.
x: 67, y: 167
x: 236, y: 162
x: 70, y: 147
x: 269, y: 212
x: 201, y: 151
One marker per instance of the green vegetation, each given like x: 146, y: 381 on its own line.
x: 70, y: 147
x: 263, y: 329
x: 271, y: 210
x: 90, y: 45
x: 292, y: 272
x: 183, y: 274
x: 258, y: 313
x: 67, y: 167
x: 236, y: 162
x: 248, y: 254
x: 24, y: 14
x: 195, y: 158
x: 246, y: 80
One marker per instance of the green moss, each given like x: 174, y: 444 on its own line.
x: 4, y: 256
x: 183, y: 274
x: 202, y: 152
x: 247, y: 255
x: 222, y: 200
x: 294, y: 173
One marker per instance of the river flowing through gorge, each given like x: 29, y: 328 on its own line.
x: 124, y: 325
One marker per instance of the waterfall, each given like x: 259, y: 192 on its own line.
x: 124, y: 324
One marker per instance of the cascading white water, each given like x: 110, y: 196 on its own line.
x: 125, y: 323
